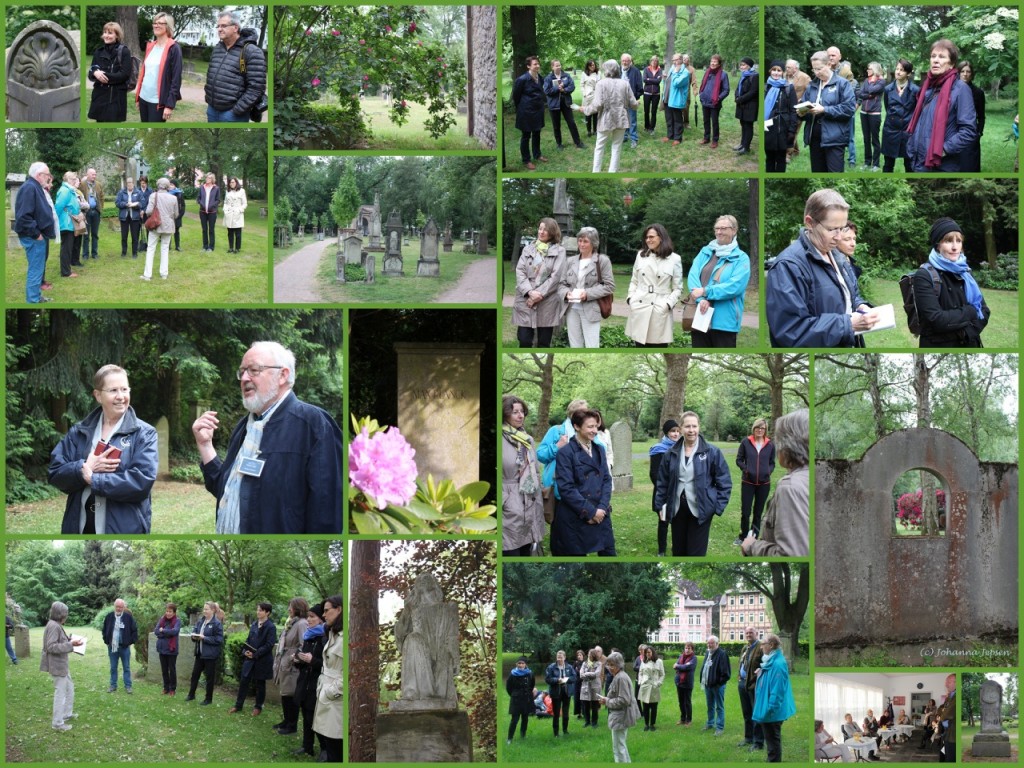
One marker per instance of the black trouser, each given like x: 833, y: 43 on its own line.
x: 308, y: 711
x: 651, y: 345
x: 752, y: 732
x: 76, y: 254
x: 177, y: 233
x: 650, y: 713
x: 133, y: 226
x: 528, y: 139
x: 651, y: 102
x: 234, y: 238
x: 890, y: 164
x: 689, y: 538
x: 291, y: 712
x: 746, y: 134
x: 560, y: 704
x: 710, y: 122
x: 947, y: 755
x: 208, y: 222
x: 591, y: 121
x: 330, y: 749
x: 662, y: 536
x: 773, y: 741
x: 169, y: 670
x: 521, y: 719
x: 209, y: 666
x: 674, y: 123
x: 525, y: 334
x: 685, y: 703
x: 92, y: 221
x: 775, y: 161
x: 870, y: 126
x: 150, y: 113
x: 576, y: 696
x: 243, y: 691
x: 523, y: 551
x: 67, y: 248
x: 590, y: 710
x: 711, y: 339
x: 826, y: 159
x: 752, y: 496
x: 564, y: 111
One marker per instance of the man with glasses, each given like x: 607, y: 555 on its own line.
x: 237, y: 76
x: 35, y: 222
x: 282, y: 470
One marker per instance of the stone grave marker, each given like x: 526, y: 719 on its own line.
x: 991, y: 740
x: 622, y: 456
x: 43, y: 75
x: 428, y: 265
x: 163, y: 446
x: 447, y: 243
x: 353, y: 249
x: 371, y: 269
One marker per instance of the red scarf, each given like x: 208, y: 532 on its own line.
x: 933, y: 157
x: 172, y: 641
x: 716, y: 87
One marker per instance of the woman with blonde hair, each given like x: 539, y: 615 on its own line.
x: 159, y: 88
x: 208, y: 640
x: 111, y: 68
x: 286, y: 673
x: 235, y: 204
x: 536, y: 310
x: 756, y: 460
x: 870, y: 95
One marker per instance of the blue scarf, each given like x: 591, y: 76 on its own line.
x: 744, y: 76
x: 311, y: 632
x: 959, y: 267
x: 662, y: 447
x: 517, y: 672
x: 772, y: 94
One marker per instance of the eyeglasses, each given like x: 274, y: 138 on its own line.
x: 118, y: 391
x: 254, y: 370
x: 834, y: 230
x: 652, y: 237
x: 723, y: 229
x: 225, y: 26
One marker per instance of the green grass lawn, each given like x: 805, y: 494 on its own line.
x: 298, y: 243
x: 670, y: 743
x: 177, y: 508
x: 998, y: 150
x: 162, y: 729
x: 194, y: 277
x: 384, y: 134
x: 1001, y: 332
x: 403, y: 290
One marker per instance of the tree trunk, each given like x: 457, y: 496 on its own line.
x: 546, y: 365
x: 875, y: 392
x: 789, y: 613
x: 691, y: 14
x: 777, y: 368
x: 364, y: 651
x: 754, y: 230
x: 988, y: 220
x: 481, y: 56
x: 922, y: 393
x: 128, y: 17
x: 173, y: 413
x: 523, y: 20
x: 670, y: 27
x: 59, y: 402
x: 677, y: 368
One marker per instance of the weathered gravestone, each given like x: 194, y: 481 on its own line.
x: 481, y: 243
x: 352, y: 247
x: 956, y: 587
x: 991, y: 740
x: 43, y: 75
x: 163, y: 442
x: 13, y: 184
x: 425, y: 724
x: 22, y: 646
x: 446, y: 242
x: 622, y: 456
x: 439, y: 407
x: 428, y: 265
x: 393, y: 230
x: 371, y: 269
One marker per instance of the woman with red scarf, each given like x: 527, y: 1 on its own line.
x: 713, y: 90
x: 944, y: 120
x: 167, y: 631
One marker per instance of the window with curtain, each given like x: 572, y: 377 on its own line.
x: 835, y: 696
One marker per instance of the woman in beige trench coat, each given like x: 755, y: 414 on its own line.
x: 286, y: 674
x: 654, y: 289
x: 537, y: 309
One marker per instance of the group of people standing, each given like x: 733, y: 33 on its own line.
x: 236, y: 80
x: 553, y: 287
x: 305, y: 663
x: 595, y: 680
x: 610, y: 99
x: 933, y: 127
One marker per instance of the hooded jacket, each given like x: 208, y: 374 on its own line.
x: 237, y: 77
x: 773, y: 699
x: 728, y: 291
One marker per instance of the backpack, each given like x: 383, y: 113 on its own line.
x: 133, y: 77
x: 909, y: 301
x: 256, y: 113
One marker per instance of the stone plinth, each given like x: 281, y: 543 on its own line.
x: 163, y: 443
x: 622, y: 456
x: 439, y: 407
x: 424, y: 737
x: 991, y: 745
x: 22, y: 646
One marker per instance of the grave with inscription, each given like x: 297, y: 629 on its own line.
x: 428, y: 265
x: 393, y: 264
x: 992, y: 740
x: 43, y: 75
x: 447, y: 243
x: 622, y: 456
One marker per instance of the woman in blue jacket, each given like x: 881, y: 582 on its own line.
x: 583, y: 522
x: 693, y: 487
x: 107, y: 463
x: 68, y: 212
x: 773, y: 697
x: 899, y: 99
x: 208, y: 640
x: 561, y: 679
x: 944, y: 122
x: 677, y: 99
x: 756, y: 460
x: 718, y: 279
x: 827, y: 119
x: 129, y: 211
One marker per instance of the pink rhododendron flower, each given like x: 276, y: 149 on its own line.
x: 335, y: 32
x: 387, y: 28
x: 412, y: 26
x: 366, y: 77
x: 309, y: 31
x: 382, y: 466
x: 403, y: 102
x: 316, y: 81
x: 362, y: 42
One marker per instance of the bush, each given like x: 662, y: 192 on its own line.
x: 322, y: 126
x: 233, y: 654
x: 187, y: 473
x: 1005, y: 275
x: 354, y: 273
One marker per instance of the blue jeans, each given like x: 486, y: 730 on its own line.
x: 10, y: 649
x: 715, y: 696
x: 853, y: 145
x: 227, y: 116
x: 125, y: 657
x: 35, y: 252
x: 631, y: 133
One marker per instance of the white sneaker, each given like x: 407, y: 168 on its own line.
x: 143, y: 277
x: 62, y: 727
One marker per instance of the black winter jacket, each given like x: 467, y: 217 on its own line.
x: 947, y: 320
x: 227, y: 85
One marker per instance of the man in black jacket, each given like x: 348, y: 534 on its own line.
x: 714, y: 674
x: 237, y: 76
x: 120, y: 633
x: 35, y: 223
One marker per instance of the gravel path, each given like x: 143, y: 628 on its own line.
x: 295, y: 277
x: 478, y: 284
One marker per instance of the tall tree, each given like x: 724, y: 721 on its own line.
x: 524, y: 36
x: 364, y: 651
x: 670, y: 32
x: 677, y: 368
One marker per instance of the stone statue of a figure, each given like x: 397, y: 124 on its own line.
x: 427, y: 632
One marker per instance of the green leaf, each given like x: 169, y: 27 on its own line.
x: 474, y: 491
x: 477, y: 526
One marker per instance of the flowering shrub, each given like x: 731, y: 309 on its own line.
x: 385, y: 497
x: 909, y: 512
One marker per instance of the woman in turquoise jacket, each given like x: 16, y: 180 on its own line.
x: 773, y: 697
x: 718, y: 279
x: 68, y: 210
x: 677, y: 99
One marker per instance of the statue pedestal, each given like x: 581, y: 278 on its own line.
x: 991, y: 745
x: 424, y: 737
